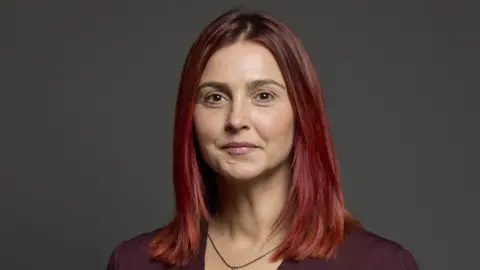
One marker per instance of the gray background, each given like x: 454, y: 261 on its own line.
x: 87, y: 106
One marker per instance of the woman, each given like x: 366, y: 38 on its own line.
x: 255, y: 174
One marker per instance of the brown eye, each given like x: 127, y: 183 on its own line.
x: 214, y: 98
x: 264, y: 96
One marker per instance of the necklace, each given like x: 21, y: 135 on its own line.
x: 233, y: 267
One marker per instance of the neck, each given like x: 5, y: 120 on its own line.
x: 250, y: 210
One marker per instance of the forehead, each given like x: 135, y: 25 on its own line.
x: 241, y: 62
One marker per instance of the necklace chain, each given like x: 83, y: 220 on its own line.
x: 238, y: 266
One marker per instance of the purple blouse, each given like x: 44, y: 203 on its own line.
x: 361, y: 250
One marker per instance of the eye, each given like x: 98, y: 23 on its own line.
x: 264, y: 96
x: 213, y: 98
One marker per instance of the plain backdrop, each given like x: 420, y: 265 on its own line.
x: 88, y: 94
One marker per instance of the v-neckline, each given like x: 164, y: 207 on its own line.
x: 199, y: 261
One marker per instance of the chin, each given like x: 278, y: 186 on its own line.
x: 242, y: 174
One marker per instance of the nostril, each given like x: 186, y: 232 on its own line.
x: 234, y: 128
x: 231, y: 128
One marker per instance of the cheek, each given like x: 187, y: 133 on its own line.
x: 274, y: 124
x: 207, y: 126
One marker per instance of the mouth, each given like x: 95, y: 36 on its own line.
x: 239, y: 148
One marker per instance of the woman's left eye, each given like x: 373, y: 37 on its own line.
x: 264, y: 96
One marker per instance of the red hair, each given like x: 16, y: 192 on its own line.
x: 316, y: 214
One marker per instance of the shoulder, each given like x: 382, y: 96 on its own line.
x: 133, y: 254
x: 366, y: 250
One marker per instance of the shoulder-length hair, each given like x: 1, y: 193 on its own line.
x: 315, y: 208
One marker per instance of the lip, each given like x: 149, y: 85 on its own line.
x: 239, y: 148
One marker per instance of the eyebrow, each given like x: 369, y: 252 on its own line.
x: 250, y: 85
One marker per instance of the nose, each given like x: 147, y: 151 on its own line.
x: 238, y: 118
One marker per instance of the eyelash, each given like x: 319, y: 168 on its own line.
x: 207, y: 98
x: 270, y: 95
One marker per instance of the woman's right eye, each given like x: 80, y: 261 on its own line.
x: 214, y: 98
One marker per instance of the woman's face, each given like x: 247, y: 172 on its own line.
x: 243, y: 118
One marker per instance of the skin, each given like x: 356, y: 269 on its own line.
x: 242, y: 97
